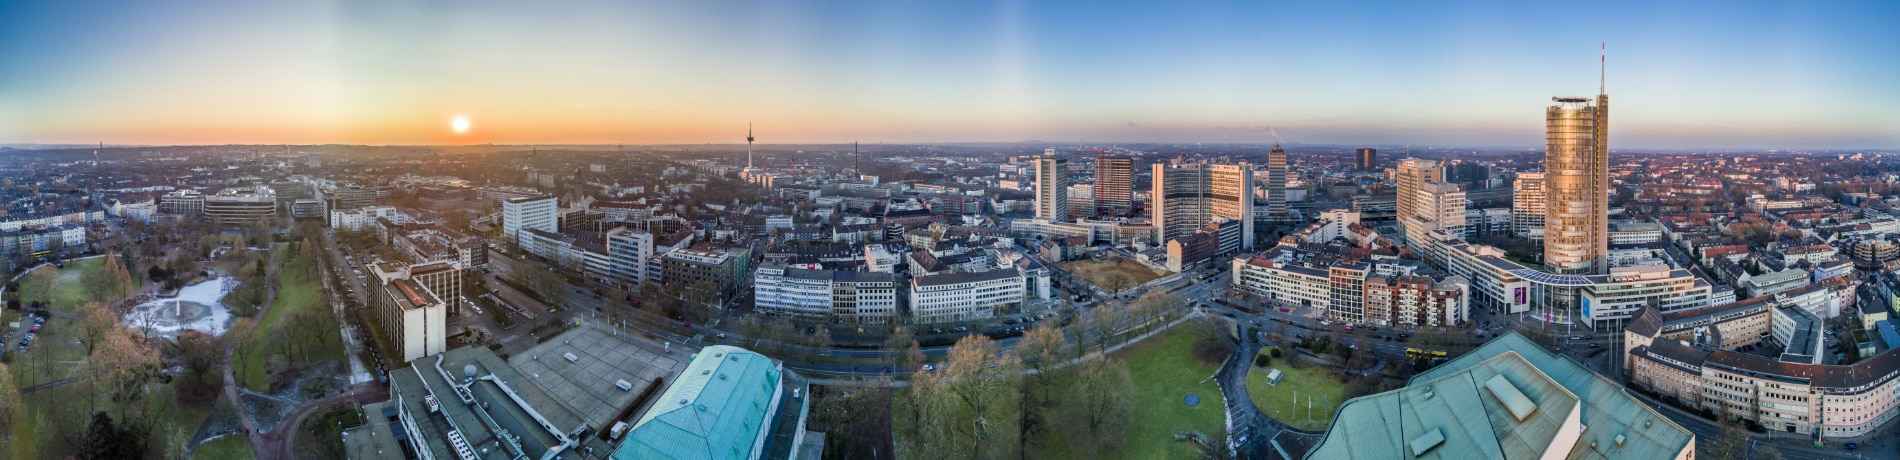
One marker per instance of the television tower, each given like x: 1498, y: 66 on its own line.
x: 748, y: 145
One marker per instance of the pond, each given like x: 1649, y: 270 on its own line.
x: 195, y: 308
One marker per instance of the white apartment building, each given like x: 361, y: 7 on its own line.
x: 1635, y: 233
x: 821, y: 295
x: 1283, y: 281
x: 967, y: 296
x: 361, y: 218
x: 523, y: 213
x: 628, y: 251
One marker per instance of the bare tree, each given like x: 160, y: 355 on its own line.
x: 95, y: 322
x: 1103, y: 399
x: 12, y: 408
x: 895, y: 343
x: 120, y: 364
x: 1115, y: 282
x: 200, y: 353
x: 235, y: 339
x: 1041, y: 351
x: 1734, y: 440
x: 40, y: 283
x: 976, y: 379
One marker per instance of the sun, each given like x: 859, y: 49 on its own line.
x: 460, y: 125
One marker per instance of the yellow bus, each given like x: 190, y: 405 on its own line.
x: 1415, y: 353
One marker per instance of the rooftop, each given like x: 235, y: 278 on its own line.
x: 1607, y: 408
x: 717, y: 408
x: 1524, y: 413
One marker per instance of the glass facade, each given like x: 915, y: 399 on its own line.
x: 1576, y: 185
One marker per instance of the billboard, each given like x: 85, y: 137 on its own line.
x: 1517, y: 296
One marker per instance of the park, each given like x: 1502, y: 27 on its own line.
x: 107, y: 328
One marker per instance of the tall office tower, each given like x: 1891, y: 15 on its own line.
x: 1186, y: 196
x: 1114, y: 178
x: 1412, y: 174
x: 1052, y: 187
x: 1576, y: 185
x: 1276, y: 182
x: 1367, y: 158
x: 1436, y: 205
x: 1527, y: 206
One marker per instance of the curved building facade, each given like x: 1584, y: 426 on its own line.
x: 1576, y: 185
x: 240, y: 206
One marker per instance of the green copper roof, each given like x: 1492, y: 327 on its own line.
x: 1608, y: 410
x: 716, y: 409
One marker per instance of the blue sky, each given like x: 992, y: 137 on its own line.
x: 1680, y: 74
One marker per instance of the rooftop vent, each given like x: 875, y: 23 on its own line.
x: 1425, y: 442
x: 570, y: 357
x: 468, y: 371
x: 1620, y: 439
x: 1512, y: 399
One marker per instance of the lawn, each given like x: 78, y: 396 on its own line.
x: 70, y: 290
x: 1098, y: 272
x: 226, y: 448
x: 1278, y: 400
x: 38, y: 435
x: 53, y: 354
x: 296, y: 291
x: 1164, y: 372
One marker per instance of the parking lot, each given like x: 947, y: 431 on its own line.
x: 32, y: 324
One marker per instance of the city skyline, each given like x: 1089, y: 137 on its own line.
x: 1688, y: 76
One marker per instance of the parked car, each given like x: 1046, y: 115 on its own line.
x: 929, y: 368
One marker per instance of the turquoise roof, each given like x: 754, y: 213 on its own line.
x: 1608, y: 410
x: 717, y: 409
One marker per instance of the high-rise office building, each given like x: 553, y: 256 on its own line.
x: 1114, y: 178
x: 1185, y: 197
x: 1576, y: 185
x: 1411, y: 175
x: 1527, y: 206
x: 1052, y: 187
x: 520, y: 214
x: 1367, y: 158
x: 1276, y: 182
x: 1436, y: 206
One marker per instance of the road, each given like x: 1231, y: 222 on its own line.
x: 283, y: 440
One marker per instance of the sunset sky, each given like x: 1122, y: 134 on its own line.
x: 1681, y: 74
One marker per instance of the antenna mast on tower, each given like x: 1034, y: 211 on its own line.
x: 748, y: 145
x: 1603, y: 60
